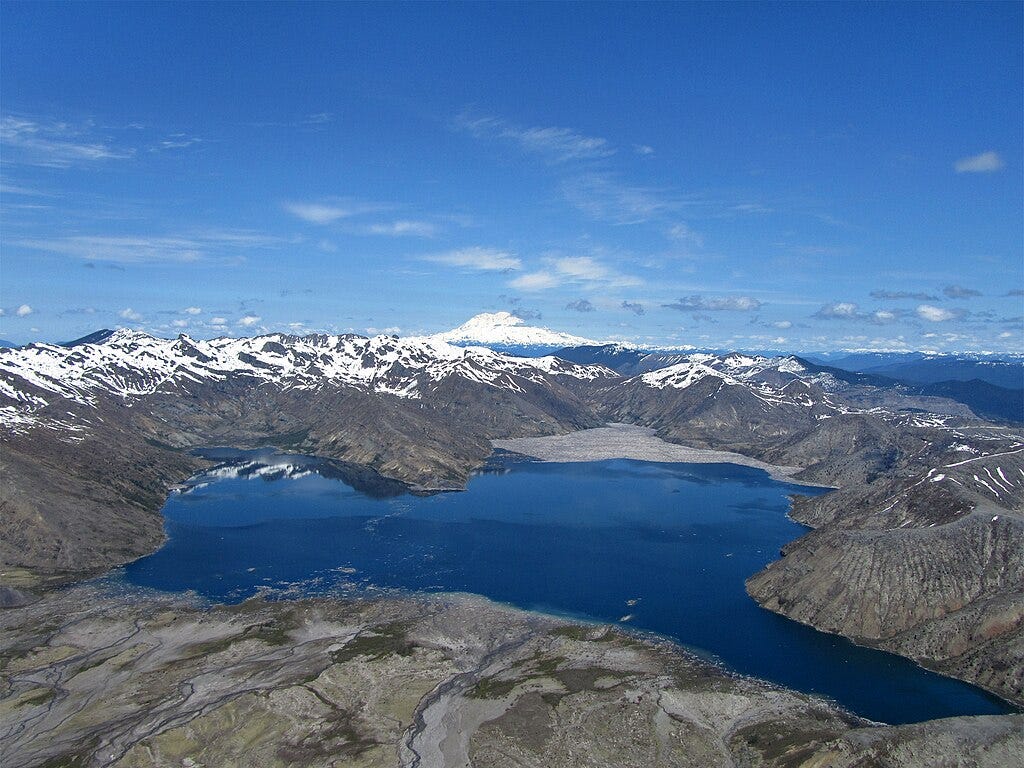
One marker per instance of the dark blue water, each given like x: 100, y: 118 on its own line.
x: 667, y: 544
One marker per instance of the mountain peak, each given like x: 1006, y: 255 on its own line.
x: 507, y: 330
x: 491, y: 320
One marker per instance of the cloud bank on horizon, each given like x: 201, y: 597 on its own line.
x: 724, y: 179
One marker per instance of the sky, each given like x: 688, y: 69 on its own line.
x: 767, y: 176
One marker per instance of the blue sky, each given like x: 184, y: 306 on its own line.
x: 803, y: 177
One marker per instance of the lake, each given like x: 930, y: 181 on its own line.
x: 658, y: 547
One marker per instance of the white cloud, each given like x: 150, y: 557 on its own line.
x: 643, y: 149
x: 319, y: 213
x: 683, y: 233
x: 121, y: 250
x: 54, y: 144
x: 179, y: 323
x: 883, y: 316
x: 558, y: 144
x: 986, y: 162
x: 144, y: 249
x: 579, y: 270
x: 130, y: 314
x: 587, y: 270
x: 840, y: 310
x: 601, y: 196
x: 249, y: 320
x: 535, y: 281
x: 477, y: 258
x: 192, y: 310
x: 783, y: 324
x: 934, y: 314
x: 23, y: 311
x: 697, y: 303
x: 176, y: 141
x: 404, y: 228
x: 218, y: 321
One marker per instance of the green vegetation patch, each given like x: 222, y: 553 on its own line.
x: 784, y: 744
x: 537, y: 667
x: 337, y: 736
x: 36, y: 698
x: 274, y: 632
x: 77, y: 760
x: 583, y: 633
x: 576, y: 680
x: 387, y: 640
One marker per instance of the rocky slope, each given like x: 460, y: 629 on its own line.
x: 91, y: 678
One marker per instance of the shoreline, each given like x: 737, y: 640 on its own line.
x: 626, y: 441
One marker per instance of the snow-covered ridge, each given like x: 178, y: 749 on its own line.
x: 732, y: 369
x: 507, y: 330
x: 131, y: 364
x: 768, y: 378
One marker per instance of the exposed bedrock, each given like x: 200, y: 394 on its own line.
x: 950, y: 596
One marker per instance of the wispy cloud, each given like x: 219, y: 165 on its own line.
x: 142, y: 249
x: 7, y: 188
x: 643, y: 149
x: 403, y: 228
x: 313, y: 122
x: 603, y: 197
x: 556, y: 144
x: 477, y: 259
x: 249, y: 320
x: 329, y: 212
x: 584, y: 271
x: 898, y: 295
x: 130, y: 314
x: 536, y: 281
x: 959, y: 292
x: 54, y: 144
x: 683, y: 233
x: 698, y: 303
x: 175, y: 141
x: 580, y: 305
x: 986, y: 162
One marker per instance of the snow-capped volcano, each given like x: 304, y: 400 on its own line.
x: 503, y: 329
